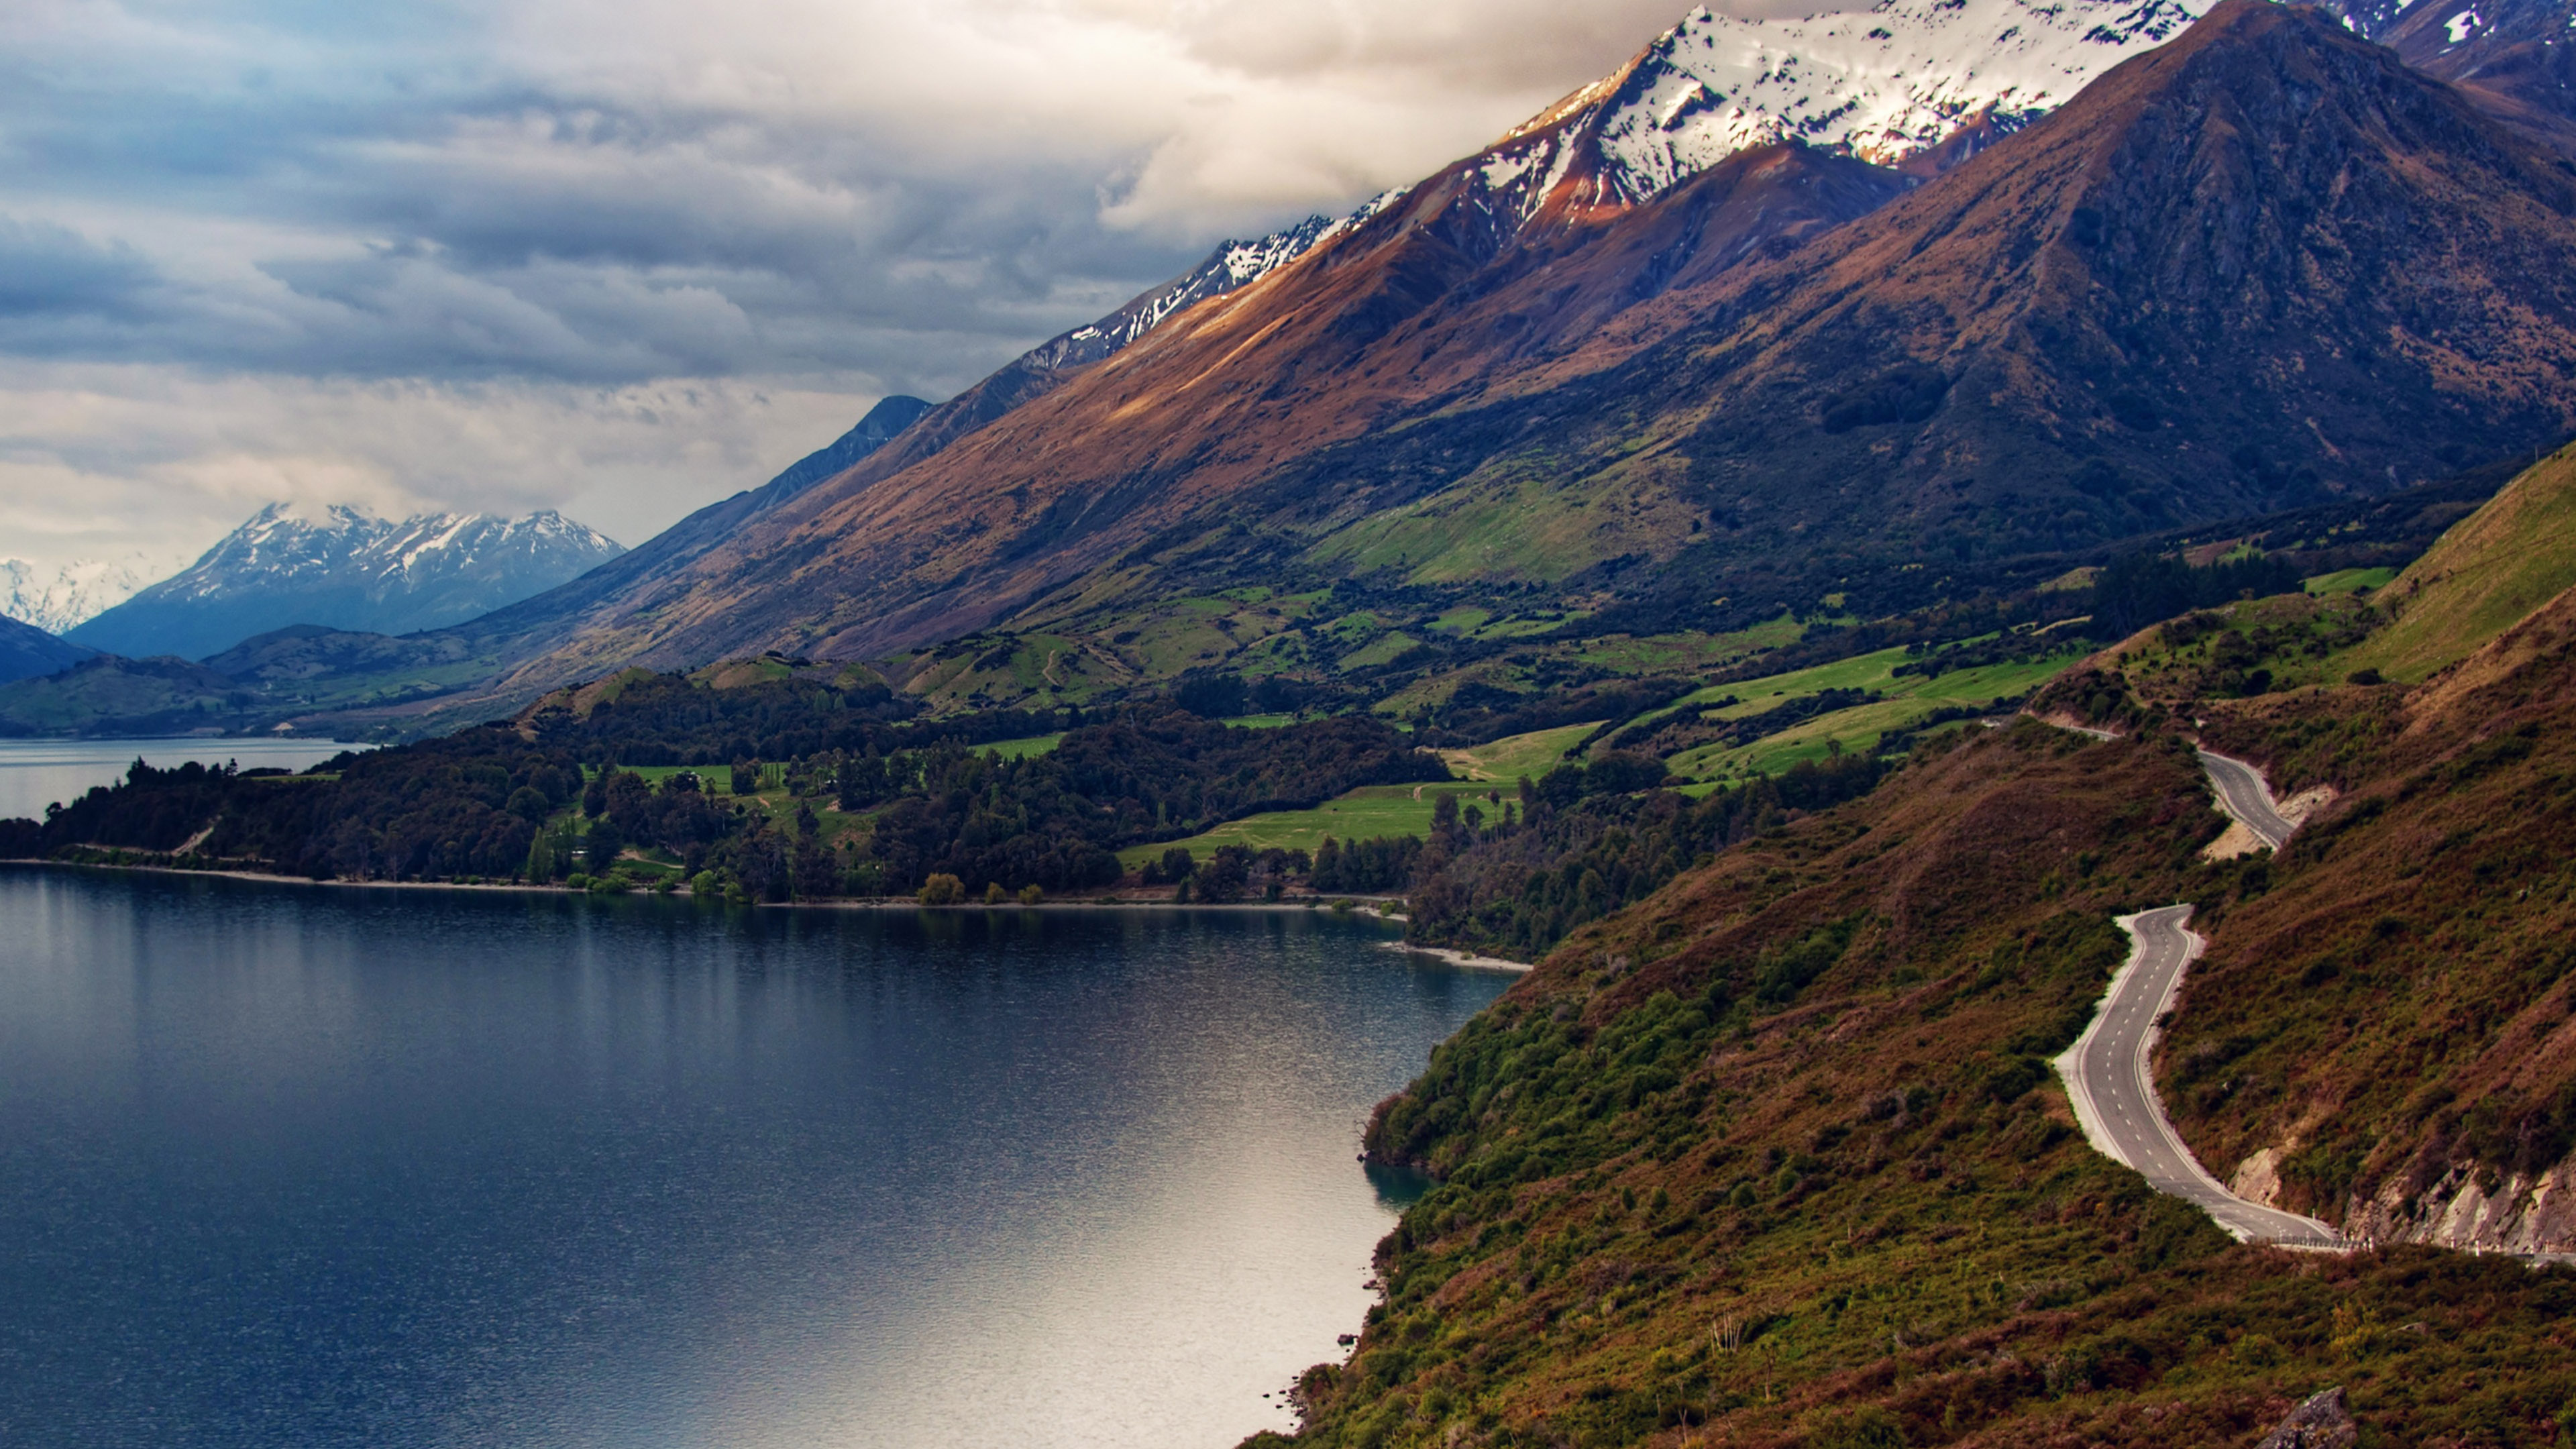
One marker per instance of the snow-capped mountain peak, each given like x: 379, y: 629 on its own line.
x: 70, y: 594
x: 1882, y: 84
x: 346, y: 568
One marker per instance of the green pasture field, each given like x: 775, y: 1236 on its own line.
x: 2345, y: 581
x: 1508, y: 759
x: 1910, y: 698
x: 1369, y: 811
x: 714, y: 779
x: 1021, y: 749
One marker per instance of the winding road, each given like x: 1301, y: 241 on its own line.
x: 2108, y: 1080
x: 2108, y: 1073
x: 2246, y: 800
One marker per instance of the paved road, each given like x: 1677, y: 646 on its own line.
x: 2115, y: 1096
x: 2245, y: 798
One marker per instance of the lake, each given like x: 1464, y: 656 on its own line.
x: 37, y: 773
x: 388, y: 1167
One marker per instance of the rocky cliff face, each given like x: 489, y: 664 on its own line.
x: 2477, y: 1209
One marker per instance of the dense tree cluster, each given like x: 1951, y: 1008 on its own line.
x: 566, y: 797
x: 2136, y: 591
x: 1584, y: 847
x: 1367, y: 867
x: 559, y: 798
x: 668, y: 719
x: 1055, y: 820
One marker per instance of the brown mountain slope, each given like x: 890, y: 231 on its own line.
x: 2515, y: 56
x: 1769, y: 1158
x: 1424, y: 301
x: 1772, y: 1159
x: 2378, y: 1034
x: 2383, y: 1033
x: 2262, y: 265
x: 2263, y: 261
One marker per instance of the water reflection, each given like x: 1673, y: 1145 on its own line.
x: 385, y: 1167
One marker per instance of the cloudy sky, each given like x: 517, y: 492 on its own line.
x: 624, y: 257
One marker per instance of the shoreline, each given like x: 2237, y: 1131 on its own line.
x: 867, y: 903
x: 1466, y: 959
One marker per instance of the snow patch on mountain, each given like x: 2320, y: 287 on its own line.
x: 282, y: 545
x: 1880, y: 84
x: 71, y: 594
x: 1233, y: 265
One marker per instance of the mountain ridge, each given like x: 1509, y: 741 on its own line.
x: 1510, y: 196
x: 27, y: 652
x: 347, y: 569
x: 1129, y: 449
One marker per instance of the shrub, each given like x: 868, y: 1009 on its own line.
x: 942, y: 889
x: 994, y: 895
x: 1032, y: 894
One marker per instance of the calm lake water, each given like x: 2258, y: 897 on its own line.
x: 285, y: 1165
x: 38, y: 773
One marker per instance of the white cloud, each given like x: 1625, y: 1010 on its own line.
x: 98, y: 460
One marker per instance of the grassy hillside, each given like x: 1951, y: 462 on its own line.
x: 106, y: 695
x: 2511, y: 557
x: 1515, y: 756
x: 1772, y: 1159
x: 1890, y: 691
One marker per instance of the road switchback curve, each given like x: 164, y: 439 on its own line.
x: 2245, y: 798
x: 2114, y: 1092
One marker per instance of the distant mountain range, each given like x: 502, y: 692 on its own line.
x: 345, y: 569
x: 61, y: 598
x: 278, y: 566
